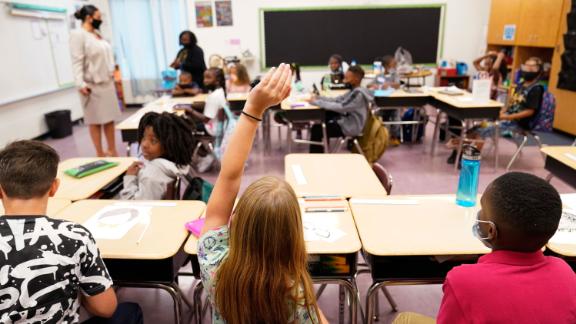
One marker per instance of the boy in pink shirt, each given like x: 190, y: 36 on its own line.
x: 515, y: 283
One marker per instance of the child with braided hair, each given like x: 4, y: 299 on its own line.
x: 166, y: 142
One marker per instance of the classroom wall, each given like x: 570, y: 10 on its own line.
x: 465, y: 29
x: 25, y: 119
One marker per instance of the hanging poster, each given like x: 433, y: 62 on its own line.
x: 204, y: 14
x: 223, y: 13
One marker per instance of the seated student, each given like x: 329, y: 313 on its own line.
x: 336, y: 75
x: 249, y: 274
x: 167, y: 145
x: 49, y: 267
x: 390, y: 77
x: 347, y: 113
x: 524, y: 104
x: 515, y: 283
x: 494, y: 64
x: 239, y: 81
x: 186, y: 87
x: 215, y: 83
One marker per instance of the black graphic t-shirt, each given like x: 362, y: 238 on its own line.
x: 45, y: 264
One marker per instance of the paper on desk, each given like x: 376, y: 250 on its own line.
x: 322, y: 227
x: 384, y: 92
x: 113, y: 222
x: 299, y: 174
x: 571, y: 156
x: 385, y: 201
x: 569, y: 200
x: 566, y: 233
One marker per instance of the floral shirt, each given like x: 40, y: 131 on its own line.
x: 213, y: 248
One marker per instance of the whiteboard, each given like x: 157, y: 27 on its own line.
x: 35, y: 56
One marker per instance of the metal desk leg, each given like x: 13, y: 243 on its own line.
x: 496, y: 141
x: 170, y: 288
x: 266, y: 130
x: 352, y: 293
x: 326, y: 139
x: 461, y: 144
x: 342, y: 301
x: 198, y: 302
x: 289, y: 137
x: 436, y: 130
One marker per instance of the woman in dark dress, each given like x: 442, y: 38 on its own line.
x: 190, y: 58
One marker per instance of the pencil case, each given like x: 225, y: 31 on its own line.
x: 195, y: 226
x: 90, y: 168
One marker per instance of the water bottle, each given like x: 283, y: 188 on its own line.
x: 469, y: 174
x: 377, y: 66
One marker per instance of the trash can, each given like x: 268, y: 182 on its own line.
x: 59, y: 123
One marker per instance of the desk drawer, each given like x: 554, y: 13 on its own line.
x: 333, y: 265
x: 164, y: 270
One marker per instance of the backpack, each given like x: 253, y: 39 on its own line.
x: 374, y: 139
x: 407, y: 130
x: 544, y: 119
x: 198, y: 189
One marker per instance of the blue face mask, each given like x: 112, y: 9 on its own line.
x: 478, y: 232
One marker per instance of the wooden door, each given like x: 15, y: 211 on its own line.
x: 539, y: 22
x: 503, y: 13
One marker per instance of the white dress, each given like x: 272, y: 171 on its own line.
x: 93, y: 66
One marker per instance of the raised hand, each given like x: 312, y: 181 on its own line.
x: 274, y: 87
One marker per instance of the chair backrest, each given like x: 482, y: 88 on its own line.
x: 384, y: 177
x: 173, y: 190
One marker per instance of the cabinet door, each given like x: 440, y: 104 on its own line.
x: 539, y: 22
x: 503, y: 13
x: 565, y: 114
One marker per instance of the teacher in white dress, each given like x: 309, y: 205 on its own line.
x: 93, y: 66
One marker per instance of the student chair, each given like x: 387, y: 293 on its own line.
x: 346, y: 139
x: 206, y: 142
x: 173, y: 190
x: 524, y: 135
x: 384, y: 176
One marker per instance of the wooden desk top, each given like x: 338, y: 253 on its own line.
x: 564, y: 154
x: 416, y: 225
x: 304, y: 105
x: 343, y: 221
x: 568, y: 250
x: 404, y: 94
x: 162, y: 239
x: 343, y: 175
x: 77, y: 189
x: 54, y: 206
x: 466, y: 101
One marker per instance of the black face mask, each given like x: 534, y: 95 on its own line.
x: 96, y: 23
x: 187, y: 45
x: 210, y: 87
x: 348, y: 85
x: 529, y: 76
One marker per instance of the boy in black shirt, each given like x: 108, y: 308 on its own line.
x: 48, y: 267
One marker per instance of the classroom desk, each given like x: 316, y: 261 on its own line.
x: 418, y: 74
x: 561, y: 162
x: 341, y: 175
x: 565, y: 251
x: 129, y: 127
x: 155, y: 261
x: 76, y: 189
x: 461, y: 107
x: 330, y: 262
x: 54, y: 206
x: 402, y: 235
x: 297, y: 110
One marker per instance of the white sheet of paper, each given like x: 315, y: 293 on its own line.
x: 113, y: 222
x: 385, y: 201
x: 571, y: 156
x: 299, y: 174
x: 569, y: 200
x: 566, y: 233
x: 322, y: 227
x: 481, y: 90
